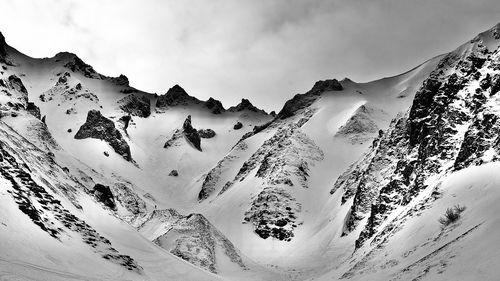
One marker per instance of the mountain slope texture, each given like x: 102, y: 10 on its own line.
x: 394, y: 179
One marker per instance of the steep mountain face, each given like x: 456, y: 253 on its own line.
x: 347, y: 181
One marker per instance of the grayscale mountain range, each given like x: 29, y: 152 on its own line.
x: 393, y: 179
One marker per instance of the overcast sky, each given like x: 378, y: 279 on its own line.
x: 264, y: 50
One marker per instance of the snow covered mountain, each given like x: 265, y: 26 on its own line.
x: 347, y: 181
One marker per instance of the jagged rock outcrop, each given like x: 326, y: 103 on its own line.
x: 31, y: 178
x: 206, y: 133
x: 16, y: 84
x: 34, y: 110
x: 191, y: 134
x: 452, y: 124
x: 175, y: 96
x: 215, y: 106
x: 75, y: 64
x: 273, y: 214
x: 245, y: 104
x: 104, y: 195
x: 136, y: 105
x: 174, y: 173
x: 125, y: 120
x: 302, y: 101
x: 99, y: 127
x: 3, y: 52
x: 121, y: 80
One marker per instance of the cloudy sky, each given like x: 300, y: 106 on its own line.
x: 265, y: 50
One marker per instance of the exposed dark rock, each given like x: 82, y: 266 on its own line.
x: 17, y: 85
x: 238, y: 125
x: 3, y: 51
x: 326, y: 85
x: 33, y: 110
x: 426, y: 142
x: 173, y: 173
x: 206, y: 133
x: 301, y: 101
x: 104, y: 195
x: 245, y: 105
x: 191, y: 133
x: 273, y: 214
x: 495, y: 84
x: 43, y: 119
x: 99, y: 127
x: 136, y: 105
x: 63, y: 79
x: 121, y: 80
x: 125, y: 119
x: 174, y: 139
x: 106, y: 153
x: 175, y: 96
x: 215, y: 106
x: 77, y: 65
x: 70, y: 130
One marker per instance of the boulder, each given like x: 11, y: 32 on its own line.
x: 173, y: 173
x: 238, y: 125
x: 206, y: 133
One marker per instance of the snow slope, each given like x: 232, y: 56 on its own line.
x: 347, y: 181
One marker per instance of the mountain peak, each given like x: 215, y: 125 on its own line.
x: 245, y: 104
x: 326, y: 85
x: 175, y: 96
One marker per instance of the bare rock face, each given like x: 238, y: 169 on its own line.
x: 215, y: 106
x: 136, y: 105
x: 273, y: 214
x: 99, y: 127
x: 121, y: 80
x: 175, y: 96
x: 449, y: 127
x: 299, y: 101
x: 16, y: 84
x: 174, y: 173
x: 245, y: 105
x: 104, y: 195
x: 191, y: 133
x: 77, y: 65
x: 33, y: 110
x: 3, y: 51
x: 125, y: 120
x: 206, y: 133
